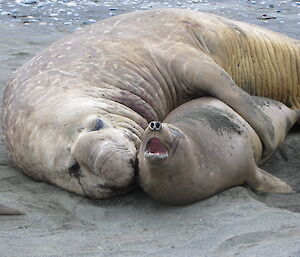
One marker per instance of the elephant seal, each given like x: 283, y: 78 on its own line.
x: 74, y: 115
x: 204, y: 147
x: 4, y: 210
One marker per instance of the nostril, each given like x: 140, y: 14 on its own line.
x: 157, y: 125
x: 152, y: 125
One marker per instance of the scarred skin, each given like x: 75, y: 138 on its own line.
x: 74, y: 115
x: 204, y: 147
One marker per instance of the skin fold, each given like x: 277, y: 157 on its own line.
x: 74, y: 115
x: 204, y: 147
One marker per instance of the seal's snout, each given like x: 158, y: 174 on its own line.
x: 155, y: 125
x: 104, y: 162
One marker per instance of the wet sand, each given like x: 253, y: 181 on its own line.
x: 237, y: 222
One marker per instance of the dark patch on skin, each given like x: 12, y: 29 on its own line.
x: 266, y: 102
x: 262, y: 101
x: 266, y: 120
x: 217, y: 119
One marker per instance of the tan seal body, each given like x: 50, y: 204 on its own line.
x: 74, y: 115
x: 204, y: 147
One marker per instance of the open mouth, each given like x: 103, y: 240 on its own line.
x: 156, y: 149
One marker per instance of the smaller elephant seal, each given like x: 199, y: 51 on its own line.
x: 204, y: 147
x: 4, y: 210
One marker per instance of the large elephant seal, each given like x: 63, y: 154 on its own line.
x: 204, y: 147
x: 74, y: 115
x: 4, y: 210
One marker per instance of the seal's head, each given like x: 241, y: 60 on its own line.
x: 165, y: 155
x: 104, y: 159
x: 160, y: 143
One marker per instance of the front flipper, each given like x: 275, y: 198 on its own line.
x: 265, y: 182
x: 4, y: 210
x: 200, y: 75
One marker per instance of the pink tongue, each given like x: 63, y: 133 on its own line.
x: 155, y: 146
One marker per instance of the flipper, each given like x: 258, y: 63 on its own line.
x: 202, y: 76
x: 265, y: 182
x: 4, y: 210
x: 282, y: 117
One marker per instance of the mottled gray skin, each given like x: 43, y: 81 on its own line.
x: 209, y: 148
x: 4, y: 210
x: 126, y: 71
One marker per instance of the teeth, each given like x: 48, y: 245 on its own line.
x: 156, y: 155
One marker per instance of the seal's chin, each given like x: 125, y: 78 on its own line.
x: 155, y: 149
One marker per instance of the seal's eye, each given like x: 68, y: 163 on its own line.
x: 99, y: 124
x: 74, y: 170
